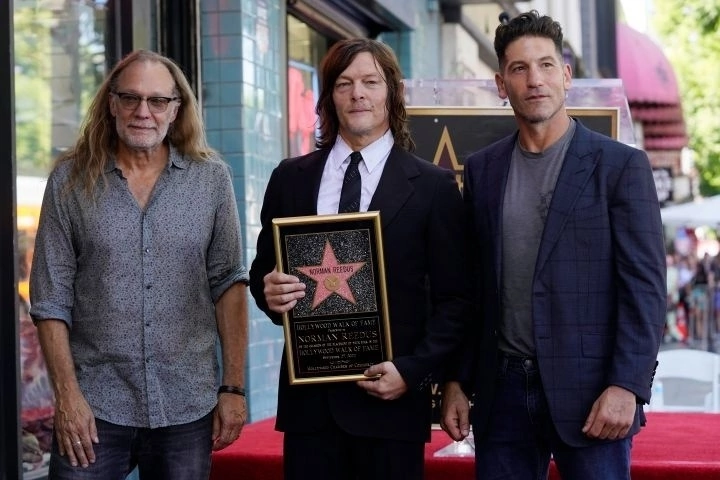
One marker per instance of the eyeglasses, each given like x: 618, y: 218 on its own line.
x: 130, y: 101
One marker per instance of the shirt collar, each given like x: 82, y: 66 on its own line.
x: 176, y: 159
x: 373, y: 154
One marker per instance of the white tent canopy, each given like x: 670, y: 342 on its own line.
x: 701, y: 212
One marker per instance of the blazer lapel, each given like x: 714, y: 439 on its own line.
x: 309, y: 173
x: 577, y: 168
x: 394, y: 187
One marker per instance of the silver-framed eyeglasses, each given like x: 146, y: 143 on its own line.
x: 130, y: 101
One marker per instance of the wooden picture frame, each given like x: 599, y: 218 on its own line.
x: 341, y: 326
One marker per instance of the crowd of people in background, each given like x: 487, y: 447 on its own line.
x: 693, y: 285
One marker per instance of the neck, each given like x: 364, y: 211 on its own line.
x: 142, y: 159
x: 537, y: 137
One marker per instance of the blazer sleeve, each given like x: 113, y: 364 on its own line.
x: 639, y: 252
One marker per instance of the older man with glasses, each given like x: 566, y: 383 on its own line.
x: 137, y: 270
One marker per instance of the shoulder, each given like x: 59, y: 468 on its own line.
x: 61, y: 171
x: 304, y: 160
x: 213, y: 165
x: 587, y: 141
x: 290, y: 167
x: 60, y: 175
x: 584, y: 134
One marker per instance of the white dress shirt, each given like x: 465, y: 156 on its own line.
x: 374, y: 157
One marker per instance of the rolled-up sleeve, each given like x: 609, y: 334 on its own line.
x: 225, y: 259
x: 54, y: 263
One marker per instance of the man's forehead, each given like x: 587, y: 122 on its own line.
x: 148, y: 73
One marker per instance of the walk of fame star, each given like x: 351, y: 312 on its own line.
x: 331, y: 277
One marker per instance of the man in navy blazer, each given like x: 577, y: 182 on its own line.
x: 569, y: 257
x: 375, y: 428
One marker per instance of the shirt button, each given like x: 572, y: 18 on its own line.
x: 147, y: 250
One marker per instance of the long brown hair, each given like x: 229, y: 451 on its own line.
x: 98, y: 138
x: 338, y: 58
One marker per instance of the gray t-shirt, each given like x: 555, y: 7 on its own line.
x: 528, y: 194
x: 137, y: 287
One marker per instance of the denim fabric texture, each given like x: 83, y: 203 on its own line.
x: 178, y: 452
x: 521, y: 438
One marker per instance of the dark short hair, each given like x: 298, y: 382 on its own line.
x: 527, y: 24
x: 338, y: 58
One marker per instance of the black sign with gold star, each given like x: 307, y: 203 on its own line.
x: 446, y: 136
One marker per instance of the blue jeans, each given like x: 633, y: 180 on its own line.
x: 521, y: 438
x: 178, y: 452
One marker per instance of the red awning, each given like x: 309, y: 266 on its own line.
x: 646, y: 73
x: 652, y: 114
x: 676, y: 129
x: 665, y: 143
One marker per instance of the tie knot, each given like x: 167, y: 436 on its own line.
x: 355, y: 158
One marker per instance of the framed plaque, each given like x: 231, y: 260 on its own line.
x: 341, y: 326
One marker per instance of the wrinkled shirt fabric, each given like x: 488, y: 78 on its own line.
x: 137, y: 288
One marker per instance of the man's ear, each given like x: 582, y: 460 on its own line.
x: 112, y: 106
x: 502, y: 93
x: 567, y: 76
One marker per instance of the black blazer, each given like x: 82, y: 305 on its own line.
x: 598, y: 292
x: 423, y: 240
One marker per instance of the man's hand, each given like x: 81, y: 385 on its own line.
x: 388, y: 386
x: 75, y: 429
x: 612, y: 414
x: 282, y: 291
x: 455, y: 412
x: 228, y: 419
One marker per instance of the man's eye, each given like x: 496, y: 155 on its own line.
x: 157, y: 101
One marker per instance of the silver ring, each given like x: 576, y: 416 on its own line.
x: 78, y: 442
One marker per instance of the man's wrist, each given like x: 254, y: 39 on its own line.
x: 231, y: 389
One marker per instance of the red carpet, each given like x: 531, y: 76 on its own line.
x: 673, y: 446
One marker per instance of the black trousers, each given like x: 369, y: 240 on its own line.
x: 332, y: 454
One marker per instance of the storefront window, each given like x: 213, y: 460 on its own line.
x: 59, y: 64
x: 306, y: 47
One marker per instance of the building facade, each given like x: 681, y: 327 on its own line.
x: 254, y: 67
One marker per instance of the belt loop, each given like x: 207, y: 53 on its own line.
x: 504, y: 360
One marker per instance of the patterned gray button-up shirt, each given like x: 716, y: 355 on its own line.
x: 137, y: 288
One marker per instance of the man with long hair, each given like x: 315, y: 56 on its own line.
x: 375, y: 428
x: 137, y: 271
x: 570, y: 291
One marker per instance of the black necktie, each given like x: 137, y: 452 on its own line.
x: 350, y: 194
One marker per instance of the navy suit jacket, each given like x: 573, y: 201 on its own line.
x: 598, y: 291
x: 423, y: 241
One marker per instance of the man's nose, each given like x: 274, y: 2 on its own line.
x: 358, y: 89
x: 534, y: 76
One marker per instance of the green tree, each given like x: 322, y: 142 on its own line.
x: 690, y: 31
x: 32, y: 91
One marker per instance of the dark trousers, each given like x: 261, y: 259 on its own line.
x: 521, y: 437
x: 178, y: 452
x: 333, y: 454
